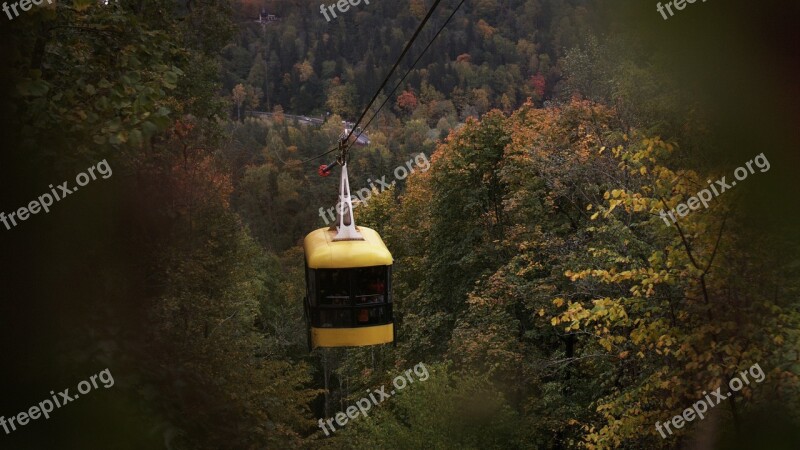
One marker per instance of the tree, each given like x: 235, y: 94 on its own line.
x: 304, y: 70
x: 470, y: 413
x: 341, y: 98
x: 407, y: 102
x: 204, y: 332
x: 674, y: 308
x: 538, y: 82
x: 259, y: 74
x: 239, y: 95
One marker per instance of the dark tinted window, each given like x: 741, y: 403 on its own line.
x: 349, y: 298
x: 370, y: 285
x: 351, y: 317
x: 333, y: 286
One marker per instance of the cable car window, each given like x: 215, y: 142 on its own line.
x: 370, y: 285
x: 334, y: 287
x: 349, y: 298
x: 333, y: 318
x: 373, y: 316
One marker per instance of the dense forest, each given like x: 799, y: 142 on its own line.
x: 547, y: 274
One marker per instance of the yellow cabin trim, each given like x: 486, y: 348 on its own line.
x: 323, y: 253
x: 352, y: 337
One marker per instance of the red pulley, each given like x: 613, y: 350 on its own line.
x: 324, y: 170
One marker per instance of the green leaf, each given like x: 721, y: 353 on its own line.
x: 170, y: 80
x: 135, y: 138
x: 33, y: 88
x: 149, y: 128
x: 160, y: 121
x: 114, y: 125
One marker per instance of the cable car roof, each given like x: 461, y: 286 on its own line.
x: 322, y: 252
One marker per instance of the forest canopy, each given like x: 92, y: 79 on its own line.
x: 537, y: 274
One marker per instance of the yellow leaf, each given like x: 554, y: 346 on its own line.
x: 81, y: 5
x: 643, y: 170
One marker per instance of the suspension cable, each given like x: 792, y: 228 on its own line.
x: 410, y: 69
x: 320, y: 155
x: 389, y: 75
x: 386, y: 80
x: 394, y: 67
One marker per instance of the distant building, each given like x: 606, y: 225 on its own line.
x: 264, y: 17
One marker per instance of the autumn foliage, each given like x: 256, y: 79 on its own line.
x: 407, y: 101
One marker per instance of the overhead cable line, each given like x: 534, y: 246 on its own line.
x: 320, y: 155
x: 410, y: 68
x: 385, y: 81
x: 394, y: 67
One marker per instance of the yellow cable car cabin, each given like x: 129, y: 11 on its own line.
x: 348, y: 299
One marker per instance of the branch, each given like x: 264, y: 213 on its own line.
x: 683, y: 237
x: 716, y: 244
x: 220, y: 324
x: 74, y: 27
x: 569, y: 360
